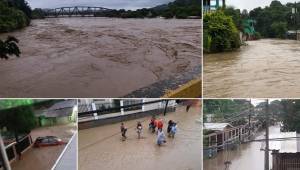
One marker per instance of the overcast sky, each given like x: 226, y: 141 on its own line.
x: 251, y: 4
x: 113, y: 4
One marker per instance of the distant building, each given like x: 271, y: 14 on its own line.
x: 62, y: 112
x: 212, y: 5
x: 286, y: 153
x: 293, y: 34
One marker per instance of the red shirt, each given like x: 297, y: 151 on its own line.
x: 160, y: 124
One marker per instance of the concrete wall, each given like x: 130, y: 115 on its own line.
x: 120, y: 118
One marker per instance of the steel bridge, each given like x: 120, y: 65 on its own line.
x: 76, y: 11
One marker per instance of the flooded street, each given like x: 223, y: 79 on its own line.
x: 99, y: 57
x: 245, y: 157
x: 44, y: 157
x: 102, y: 148
x: 264, y: 68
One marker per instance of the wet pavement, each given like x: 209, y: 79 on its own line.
x: 246, y: 157
x: 102, y: 147
x: 44, y: 158
x: 100, y: 57
x: 264, y: 68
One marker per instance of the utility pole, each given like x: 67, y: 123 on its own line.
x: 166, y: 107
x: 3, y: 154
x: 295, y: 11
x: 296, y: 20
x: 267, y: 137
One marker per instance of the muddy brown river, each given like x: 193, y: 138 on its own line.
x: 264, y: 68
x: 99, y: 57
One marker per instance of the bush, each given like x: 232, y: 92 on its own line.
x: 11, y: 18
x: 222, y: 34
x: 279, y: 29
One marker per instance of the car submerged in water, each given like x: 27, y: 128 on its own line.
x: 48, y: 141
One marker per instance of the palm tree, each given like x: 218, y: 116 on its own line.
x: 9, y: 47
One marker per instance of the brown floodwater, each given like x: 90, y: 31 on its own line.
x: 264, y: 68
x: 102, y: 147
x: 44, y: 158
x: 246, y: 156
x: 98, y: 57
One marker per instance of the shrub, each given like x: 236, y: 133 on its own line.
x: 221, y: 31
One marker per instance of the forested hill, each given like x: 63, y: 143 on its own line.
x: 14, y: 14
x: 179, y: 9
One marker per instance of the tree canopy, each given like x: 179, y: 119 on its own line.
x: 273, y: 21
x: 179, y: 8
x: 14, y: 14
x: 17, y: 115
x: 220, y: 32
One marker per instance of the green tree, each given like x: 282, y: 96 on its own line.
x: 17, y: 116
x: 9, y: 47
x: 291, y: 115
x: 273, y: 21
x: 11, y: 18
x: 221, y: 31
x: 278, y: 29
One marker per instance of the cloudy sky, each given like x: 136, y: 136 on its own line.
x: 251, y: 4
x: 113, y: 4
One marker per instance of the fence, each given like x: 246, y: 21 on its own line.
x: 13, y: 149
x: 286, y: 161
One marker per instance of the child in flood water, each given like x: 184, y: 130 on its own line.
x: 123, y: 131
x: 139, y: 129
x: 161, y: 138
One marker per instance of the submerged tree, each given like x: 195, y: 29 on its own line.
x: 9, y: 47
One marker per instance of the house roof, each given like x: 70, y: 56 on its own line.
x: 60, y: 109
x: 216, y: 126
x: 286, y: 146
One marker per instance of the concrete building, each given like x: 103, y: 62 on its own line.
x: 286, y: 153
x: 212, y: 5
x: 95, y: 112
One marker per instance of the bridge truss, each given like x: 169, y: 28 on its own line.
x: 80, y: 11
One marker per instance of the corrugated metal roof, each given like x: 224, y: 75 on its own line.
x: 60, y: 109
x: 216, y: 126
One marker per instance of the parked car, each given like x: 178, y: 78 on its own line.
x: 48, y: 141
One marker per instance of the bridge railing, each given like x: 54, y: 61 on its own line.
x: 74, y: 11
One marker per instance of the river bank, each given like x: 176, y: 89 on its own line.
x: 99, y: 57
x: 263, y: 68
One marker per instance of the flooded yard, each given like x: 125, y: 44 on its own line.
x: 44, y: 157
